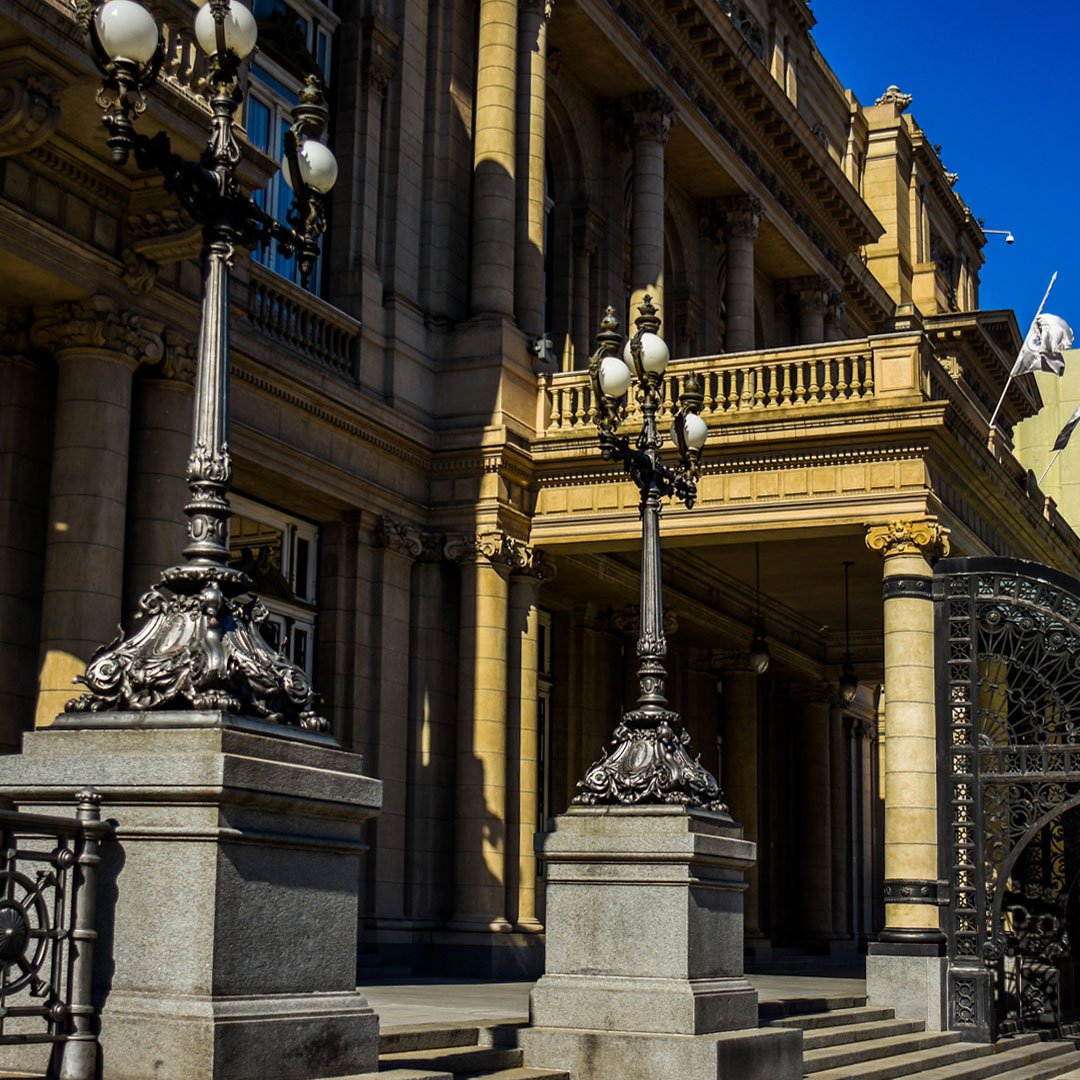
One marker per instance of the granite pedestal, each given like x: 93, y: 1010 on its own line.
x: 644, y: 976
x: 227, y: 907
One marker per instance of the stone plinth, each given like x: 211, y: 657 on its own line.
x: 227, y: 907
x: 644, y: 971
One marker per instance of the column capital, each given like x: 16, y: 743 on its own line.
x: 400, y: 538
x: 627, y: 620
x: 541, y: 8
x: 651, y: 115
x: 924, y: 537
x: 810, y: 291
x: 98, y: 323
x: 742, y: 215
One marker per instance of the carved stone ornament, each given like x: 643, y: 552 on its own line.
x: 29, y: 106
x: 894, y: 96
x: 925, y: 537
x: 811, y: 292
x: 505, y: 550
x: 742, y: 216
x: 179, y: 360
x: 15, y: 331
x: 651, y: 116
x: 140, y: 273
x: 98, y: 323
x: 402, y: 539
x: 627, y: 620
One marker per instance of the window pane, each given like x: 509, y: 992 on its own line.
x: 258, y: 123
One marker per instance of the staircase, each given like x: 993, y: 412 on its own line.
x: 456, y: 1052
x: 871, y: 1044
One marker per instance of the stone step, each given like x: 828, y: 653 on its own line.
x: 459, y: 1060
x: 515, y: 1074
x: 411, y: 1037
x: 1037, y: 1061
x: 833, y: 1018
x: 769, y: 1011
x: 863, y: 1059
x: 845, y: 1034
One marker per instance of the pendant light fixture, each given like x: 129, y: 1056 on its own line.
x: 759, y: 648
x: 849, y: 685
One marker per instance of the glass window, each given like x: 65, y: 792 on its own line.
x: 278, y: 553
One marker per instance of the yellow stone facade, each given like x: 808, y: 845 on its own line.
x: 424, y: 424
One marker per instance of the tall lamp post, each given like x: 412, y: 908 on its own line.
x: 198, y: 645
x: 649, y: 762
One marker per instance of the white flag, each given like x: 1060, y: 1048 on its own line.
x: 1048, y: 337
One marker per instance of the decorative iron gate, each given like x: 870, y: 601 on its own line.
x: 1008, y: 670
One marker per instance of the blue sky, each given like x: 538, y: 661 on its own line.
x: 995, y: 83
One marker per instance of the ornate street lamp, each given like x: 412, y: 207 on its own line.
x: 649, y: 762
x: 197, y: 645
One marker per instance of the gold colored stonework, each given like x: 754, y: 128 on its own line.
x: 924, y: 537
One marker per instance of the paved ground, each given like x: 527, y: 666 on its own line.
x: 427, y: 1001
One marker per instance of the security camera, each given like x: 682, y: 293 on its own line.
x: 1010, y: 239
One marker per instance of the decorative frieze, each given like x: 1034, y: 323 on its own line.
x: 925, y: 537
x: 98, y: 323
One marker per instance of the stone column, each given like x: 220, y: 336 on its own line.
x: 810, y: 296
x: 840, y: 790
x: 814, y: 810
x: 739, y: 779
x: 480, y: 815
x: 531, y: 107
x: 586, y: 242
x: 523, y: 735
x: 834, y: 315
x: 399, y: 545
x: 97, y: 348
x: 742, y: 218
x: 433, y: 665
x: 651, y: 116
x: 158, y: 492
x: 494, y: 195
x: 908, y: 951
x: 26, y: 402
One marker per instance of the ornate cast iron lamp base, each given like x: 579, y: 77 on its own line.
x: 197, y: 645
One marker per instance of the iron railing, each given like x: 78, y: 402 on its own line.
x: 48, y: 882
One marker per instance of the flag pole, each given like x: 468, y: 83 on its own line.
x: 997, y: 408
x: 1057, y: 454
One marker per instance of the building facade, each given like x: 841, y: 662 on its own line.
x: 420, y: 497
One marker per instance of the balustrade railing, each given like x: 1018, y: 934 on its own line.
x: 48, y: 882
x: 738, y: 385
x: 302, y: 322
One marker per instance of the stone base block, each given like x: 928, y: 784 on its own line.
x: 621, y: 1003
x: 227, y: 906
x: 913, y: 986
x: 292, y: 1037
x: 601, y: 1055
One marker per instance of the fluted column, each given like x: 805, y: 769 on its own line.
x: 911, y: 856
x: 494, y: 153
x: 26, y: 401
x: 97, y: 348
x: 815, y: 810
x: 480, y: 813
x: 810, y: 296
x: 651, y: 117
x: 740, y: 768
x: 742, y: 219
x: 158, y: 492
x: 531, y: 108
x: 523, y: 734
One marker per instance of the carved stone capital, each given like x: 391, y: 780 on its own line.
x: 432, y: 547
x: 399, y: 538
x: 627, y: 620
x: 810, y: 292
x: 925, y: 537
x: 742, y: 216
x: 651, y: 115
x: 29, y: 105
x: 895, y: 96
x: 98, y: 323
